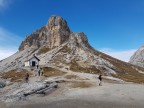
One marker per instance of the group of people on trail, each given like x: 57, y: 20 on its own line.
x: 39, y: 71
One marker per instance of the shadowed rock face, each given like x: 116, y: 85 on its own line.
x: 53, y: 34
x: 138, y: 57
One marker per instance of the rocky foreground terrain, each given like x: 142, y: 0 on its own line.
x: 75, y: 92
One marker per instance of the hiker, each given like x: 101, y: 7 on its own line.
x: 26, y: 77
x: 100, y: 80
x: 38, y: 70
x: 37, y: 66
x: 41, y: 70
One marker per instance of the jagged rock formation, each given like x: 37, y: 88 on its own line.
x: 56, y: 46
x: 52, y: 35
x: 138, y: 57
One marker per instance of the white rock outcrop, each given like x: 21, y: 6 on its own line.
x: 138, y: 57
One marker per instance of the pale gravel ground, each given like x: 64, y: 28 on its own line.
x: 110, y: 95
x: 107, y: 96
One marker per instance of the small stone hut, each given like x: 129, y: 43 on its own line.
x: 34, y: 61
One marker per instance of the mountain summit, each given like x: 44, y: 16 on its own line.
x: 58, y: 47
x: 52, y: 35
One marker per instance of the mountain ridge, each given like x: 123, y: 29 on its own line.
x: 57, y: 46
x: 54, y: 33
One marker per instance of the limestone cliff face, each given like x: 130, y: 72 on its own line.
x: 59, y: 31
x: 36, y: 39
x: 53, y: 34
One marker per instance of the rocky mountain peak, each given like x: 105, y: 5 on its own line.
x: 52, y: 35
x: 57, y: 23
x: 56, y: 46
x: 59, y: 31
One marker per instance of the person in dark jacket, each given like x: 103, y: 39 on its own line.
x: 27, y: 77
x: 41, y: 69
x: 39, y: 72
x: 100, y: 80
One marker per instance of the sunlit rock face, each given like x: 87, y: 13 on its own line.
x: 138, y: 57
x: 52, y: 35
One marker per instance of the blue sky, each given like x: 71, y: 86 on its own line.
x: 115, y: 27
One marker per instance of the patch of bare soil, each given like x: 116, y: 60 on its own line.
x: 81, y: 84
x: 14, y: 76
x: 72, y: 77
x: 50, y: 72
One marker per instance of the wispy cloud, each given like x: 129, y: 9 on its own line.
x: 9, y: 43
x: 123, y: 55
x: 7, y: 38
x: 4, y: 4
x: 4, y: 53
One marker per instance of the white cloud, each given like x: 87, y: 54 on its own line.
x: 123, y: 55
x: 9, y: 43
x: 8, y: 39
x: 4, y: 4
x: 4, y: 53
x: 1, y: 3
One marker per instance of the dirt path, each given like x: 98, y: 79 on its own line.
x: 110, y: 95
x: 107, y: 96
x: 76, y: 103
